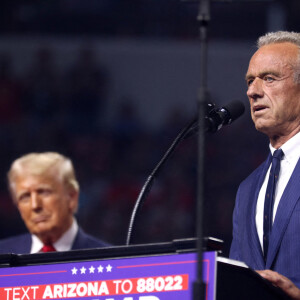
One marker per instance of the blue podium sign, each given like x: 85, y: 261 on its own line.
x: 161, y: 277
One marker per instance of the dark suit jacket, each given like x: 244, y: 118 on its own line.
x: 284, y: 245
x: 21, y: 244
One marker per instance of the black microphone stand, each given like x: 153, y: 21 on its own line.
x: 203, y: 18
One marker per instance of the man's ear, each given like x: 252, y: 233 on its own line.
x: 73, y: 200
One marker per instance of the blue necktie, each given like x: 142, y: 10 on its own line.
x: 269, y: 198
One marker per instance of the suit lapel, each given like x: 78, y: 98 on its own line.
x: 23, y: 244
x: 256, y: 249
x: 285, y: 209
x: 77, y: 244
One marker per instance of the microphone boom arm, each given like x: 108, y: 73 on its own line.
x: 148, y: 184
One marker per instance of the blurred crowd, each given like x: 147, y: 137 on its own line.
x: 44, y: 109
x: 145, y: 18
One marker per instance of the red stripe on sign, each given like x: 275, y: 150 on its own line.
x: 130, y: 286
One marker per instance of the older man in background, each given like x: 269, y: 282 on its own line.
x: 44, y: 188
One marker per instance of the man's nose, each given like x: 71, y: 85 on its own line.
x: 36, y: 201
x: 255, y: 90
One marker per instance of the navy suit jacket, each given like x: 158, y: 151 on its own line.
x: 21, y: 244
x: 284, y: 245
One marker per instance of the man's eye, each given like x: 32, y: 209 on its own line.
x: 249, y: 82
x: 44, y: 192
x: 268, y: 78
x: 24, y: 197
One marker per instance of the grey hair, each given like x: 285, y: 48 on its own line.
x: 279, y: 37
x: 283, y: 37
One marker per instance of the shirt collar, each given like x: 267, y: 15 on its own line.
x: 63, y: 244
x: 291, y: 148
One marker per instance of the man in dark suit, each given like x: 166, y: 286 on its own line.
x: 44, y: 188
x: 266, y: 219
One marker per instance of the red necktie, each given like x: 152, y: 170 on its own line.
x: 48, y: 248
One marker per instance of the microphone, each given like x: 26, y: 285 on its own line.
x: 216, y: 118
x: 225, y: 115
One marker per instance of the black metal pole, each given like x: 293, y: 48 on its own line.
x: 203, y: 97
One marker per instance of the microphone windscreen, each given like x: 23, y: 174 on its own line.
x: 235, y: 109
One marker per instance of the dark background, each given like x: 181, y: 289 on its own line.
x: 77, y: 77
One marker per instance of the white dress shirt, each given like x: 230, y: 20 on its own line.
x: 63, y: 244
x: 291, y: 150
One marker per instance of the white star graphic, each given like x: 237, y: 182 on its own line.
x: 82, y: 270
x: 108, y: 268
x: 74, y: 271
x: 92, y: 269
x: 100, y: 269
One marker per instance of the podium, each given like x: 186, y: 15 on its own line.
x: 236, y: 282
x: 160, y: 271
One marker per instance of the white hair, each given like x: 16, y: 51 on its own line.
x: 283, y: 37
x: 279, y: 37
